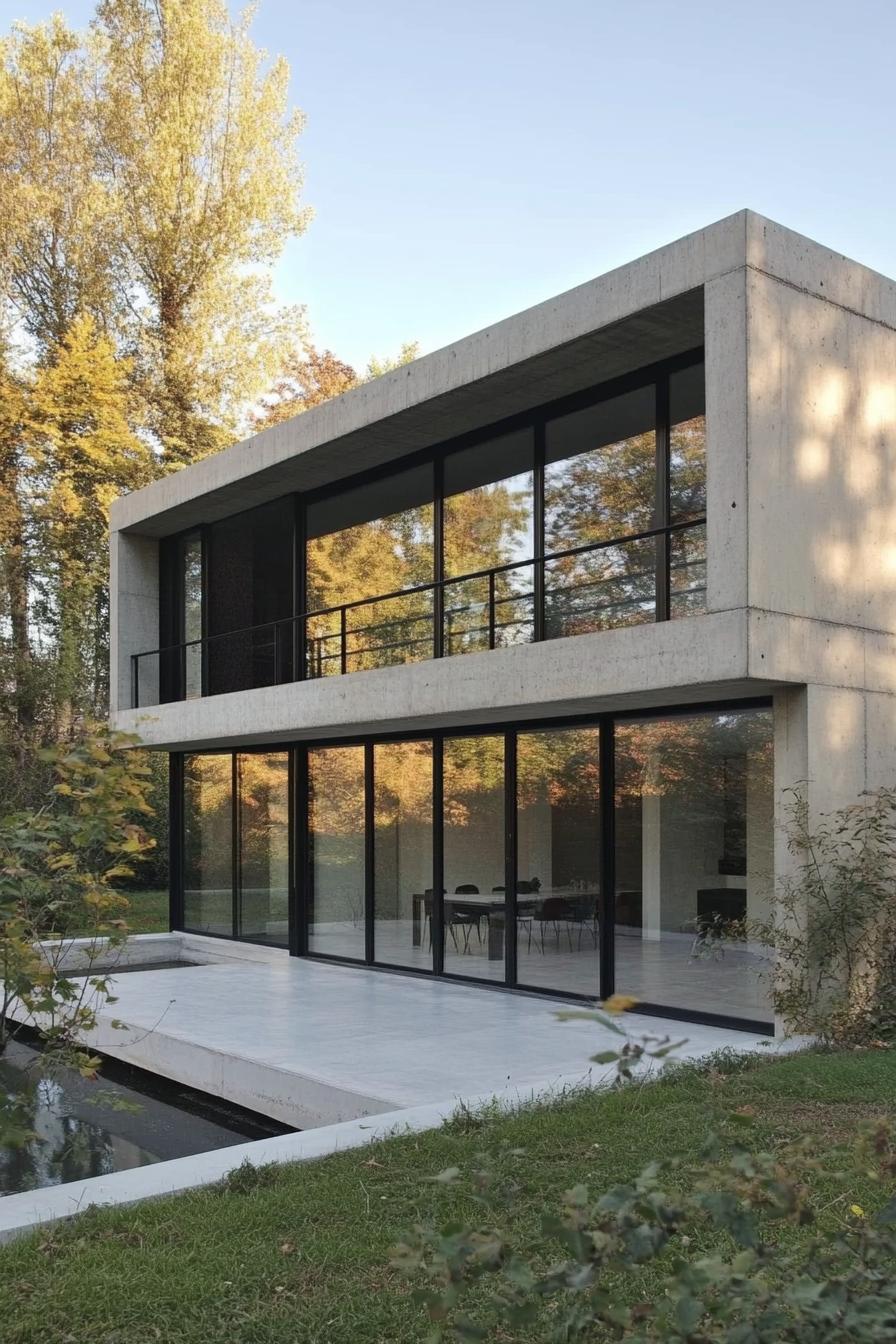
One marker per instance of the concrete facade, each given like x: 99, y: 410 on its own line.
x: 800, y: 349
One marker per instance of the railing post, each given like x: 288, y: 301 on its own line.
x: 343, y: 630
x: 491, y: 609
x: 135, y: 681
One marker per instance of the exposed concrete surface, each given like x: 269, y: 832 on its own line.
x: 314, y: 1044
x: 632, y: 666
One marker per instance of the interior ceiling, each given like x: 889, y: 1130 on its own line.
x: 655, y: 333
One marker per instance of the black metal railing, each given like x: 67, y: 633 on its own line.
x: 584, y: 589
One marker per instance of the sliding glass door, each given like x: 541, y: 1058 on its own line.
x: 263, y: 884
x: 474, y: 857
x: 694, y: 864
x: 336, y: 877
x: 558, y: 859
x: 236, y: 851
x: 403, y: 854
x: 639, y: 849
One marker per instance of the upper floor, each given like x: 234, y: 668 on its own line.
x: 634, y: 489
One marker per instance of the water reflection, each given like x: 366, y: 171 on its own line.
x: 82, y: 1128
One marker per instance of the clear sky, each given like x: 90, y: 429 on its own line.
x: 466, y: 159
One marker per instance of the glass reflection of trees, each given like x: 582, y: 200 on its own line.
x: 382, y: 555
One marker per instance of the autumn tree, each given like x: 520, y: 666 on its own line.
x: 84, y: 453
x: 199, y: 148
x: 148, y: 181
x: 310, y: 377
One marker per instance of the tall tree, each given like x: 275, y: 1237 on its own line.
x: 57, y: 240
x: 148, y: 179
x: 84, y: 453
x: 56, y: 259
x: 200, y: 149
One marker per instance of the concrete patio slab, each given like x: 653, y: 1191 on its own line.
x: 314, y: 1044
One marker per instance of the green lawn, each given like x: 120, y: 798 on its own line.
x: 147, y: 911
x: 301, y: 1256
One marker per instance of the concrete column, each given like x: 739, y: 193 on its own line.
x: 133, y: 616
x: 726, y: 441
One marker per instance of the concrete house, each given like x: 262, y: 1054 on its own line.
x: 501, y: 667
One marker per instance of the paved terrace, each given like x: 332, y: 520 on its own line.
x: 313, y: 1044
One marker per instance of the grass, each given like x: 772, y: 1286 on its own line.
x: 300, y: 1254
x: 147, y: 911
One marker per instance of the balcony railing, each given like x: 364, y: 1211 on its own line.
x: 629, y: 580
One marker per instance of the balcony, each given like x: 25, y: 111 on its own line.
x: 640, y: 578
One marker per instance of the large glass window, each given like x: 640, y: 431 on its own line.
x: 687, y: 490
x: 558, y: 859
x: 600, y: 484
x: 690, y: 872
x: 263, y: 870
x: 365, y: 542
x: 336, y: 851
x: 694, y: 834
x: 402, y: 853
x: 249, y: 587
x: 208, y: 844
x: 191, y: 579
x: 577, y: 522
x: 474, y: 859
x: 489, y: 522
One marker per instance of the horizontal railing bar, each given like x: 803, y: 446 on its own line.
x: 586, y: 549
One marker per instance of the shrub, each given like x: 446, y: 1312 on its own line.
x: 582, y: 1277
x: 60, y: 864
x: 833, y: 934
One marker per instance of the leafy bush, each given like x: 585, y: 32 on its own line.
x: 833, y: 934
x: 582, y: 1278
x: 60, y: 865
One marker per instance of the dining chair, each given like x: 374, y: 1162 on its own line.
x: 464, y: 917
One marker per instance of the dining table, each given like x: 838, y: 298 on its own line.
x: 493, y: 906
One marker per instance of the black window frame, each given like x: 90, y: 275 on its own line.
x: 300, y: 847
x: 536, y: 420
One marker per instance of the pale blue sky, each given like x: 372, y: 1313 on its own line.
x: 467, y: 159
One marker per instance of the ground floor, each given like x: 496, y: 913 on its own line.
x: 628, y: 853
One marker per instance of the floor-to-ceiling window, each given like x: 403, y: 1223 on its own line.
x: 589, y: 516
x: 403, y: 839
x: 558, y: 859
x: 600, y: 484
x: 368, y: 542
x: 263, y: 853
x: 687, y: 490
x: 403, y: 853
x: 336, y: 870
x: 489, y: 523
x: 694, y: 867
x: 236, y: 854
x: 474, y: 856
x: 208, y: 844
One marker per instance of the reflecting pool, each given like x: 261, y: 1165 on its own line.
x: 124, y: 1119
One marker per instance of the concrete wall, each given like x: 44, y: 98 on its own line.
x: 821, y: 447
x: 133, y: 615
